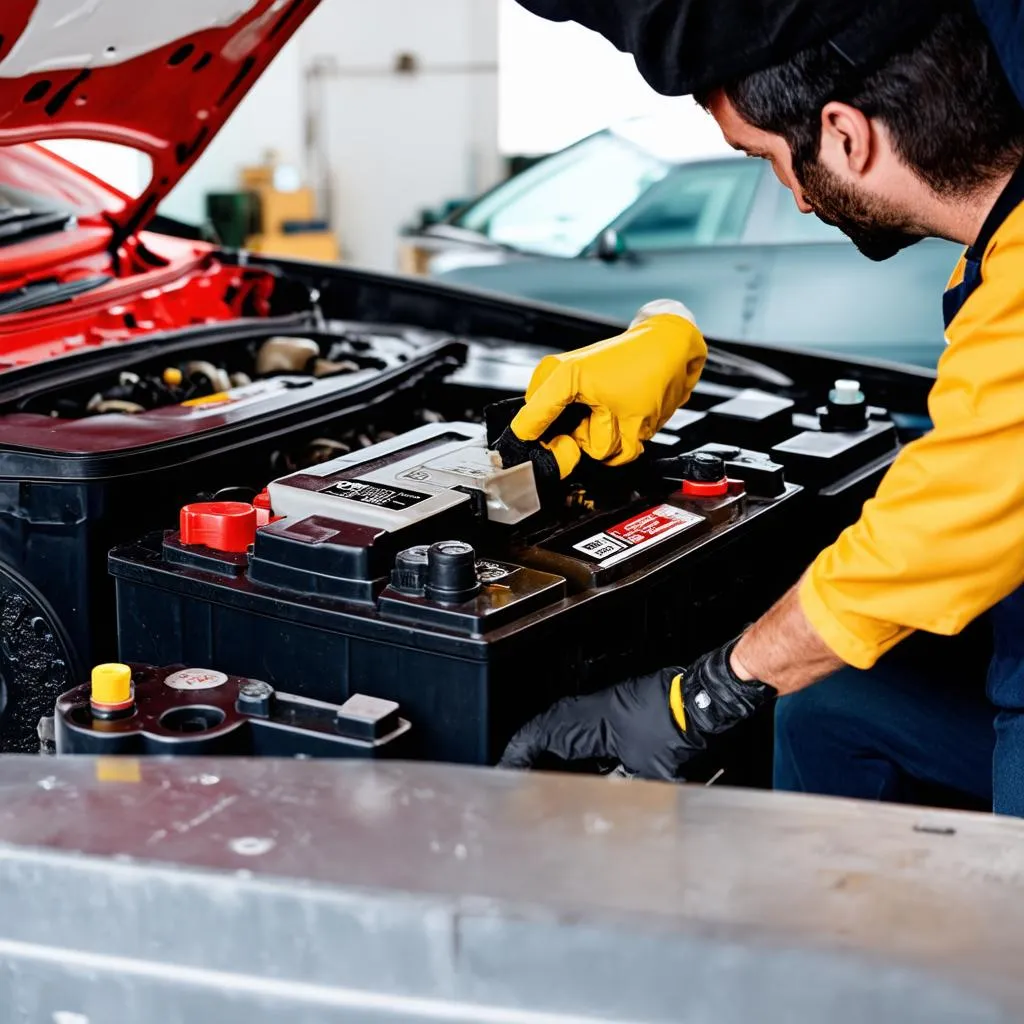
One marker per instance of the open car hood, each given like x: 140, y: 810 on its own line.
x: 162, y: 77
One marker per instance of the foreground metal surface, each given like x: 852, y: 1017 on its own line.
x: 231, y: 891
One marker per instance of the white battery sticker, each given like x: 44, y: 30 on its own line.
x: 368, y: 493
x: 196, y: 679
x: 652, y: 527
x: 599, y: 547
x: 469, y: 462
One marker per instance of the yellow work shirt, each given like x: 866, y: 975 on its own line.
x: 942, y: 542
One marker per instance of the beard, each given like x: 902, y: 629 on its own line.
x: 877, y: 231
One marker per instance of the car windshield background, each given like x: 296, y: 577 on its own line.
x: 702, y: 204
x: 21, y: 199
x: 558, y: 207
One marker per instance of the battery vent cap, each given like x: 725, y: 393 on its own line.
x: 228, y: 526
x: 846, y: 410
x: 451, y: 572
x: 111, y: 687
x: 409, y: 575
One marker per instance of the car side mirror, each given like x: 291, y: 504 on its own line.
x: 611, y: 246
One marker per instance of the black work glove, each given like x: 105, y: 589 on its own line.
x: 651, y: 725
x: 514, y: 452
x: 548, y: 472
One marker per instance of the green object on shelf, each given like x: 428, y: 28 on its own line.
x: 234, y: 215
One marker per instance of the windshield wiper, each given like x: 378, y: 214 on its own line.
x: 727, y: 364
x: 48, y: 293
x: 19, y: 222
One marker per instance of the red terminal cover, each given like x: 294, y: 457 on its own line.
x: 228, y: 526
x: 264, y: 512
x: 718, y: 489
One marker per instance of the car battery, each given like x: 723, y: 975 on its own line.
x: 102, y: 445
x: 190, y: 712
x: 421, y: 571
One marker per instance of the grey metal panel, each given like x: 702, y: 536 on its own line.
x: 714, y: 281
x: 247, y: 891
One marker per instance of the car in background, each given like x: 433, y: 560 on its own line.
x: 623, y: 217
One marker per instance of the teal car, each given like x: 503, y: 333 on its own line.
x: 618, y: 219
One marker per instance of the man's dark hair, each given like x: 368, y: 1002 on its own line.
x: 945, y: 100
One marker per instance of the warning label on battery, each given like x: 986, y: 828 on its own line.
x: 376, y: 494
x: 600, y: 547
x: 651, y: 527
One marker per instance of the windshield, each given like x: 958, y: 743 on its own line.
x: 559, y: 206
x: 12, y: 198
x: 44, y: 183
x: 24, y: 215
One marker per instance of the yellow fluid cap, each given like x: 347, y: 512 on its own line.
x: 173, y: 376
x: 111, y: 685
x: 218, y: 399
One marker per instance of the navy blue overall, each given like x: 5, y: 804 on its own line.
x: 918, y: 725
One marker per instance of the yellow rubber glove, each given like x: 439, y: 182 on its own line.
x: 633, y: 384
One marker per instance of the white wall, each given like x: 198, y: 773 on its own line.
x: 397, y: 143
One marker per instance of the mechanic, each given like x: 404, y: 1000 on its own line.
x: 893, y: 125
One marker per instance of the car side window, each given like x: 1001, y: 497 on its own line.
x: 790, y: 226
x: 704, y: 204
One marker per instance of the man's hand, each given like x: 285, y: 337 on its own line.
x: 783, y: 649
x: 633, y: 384
x: 651, y: 725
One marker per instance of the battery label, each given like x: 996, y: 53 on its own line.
x: 468, y: 462
x: 655, y: 525
x: 452, y: 468
x: 600, y: 547
x: 376, y: 494
x: 195, y: 679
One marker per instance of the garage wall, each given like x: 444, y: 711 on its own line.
x: 393, y: 143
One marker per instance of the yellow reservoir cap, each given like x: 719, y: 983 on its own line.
x: 111, y: 685
x: 173, y: 376
x: 218, y: 399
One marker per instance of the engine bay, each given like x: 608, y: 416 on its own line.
x: 305, y: 418
x: 205, y: 382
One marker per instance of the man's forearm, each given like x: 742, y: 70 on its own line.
x: 783, y: 649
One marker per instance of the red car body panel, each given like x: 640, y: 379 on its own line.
x: 168, y: 101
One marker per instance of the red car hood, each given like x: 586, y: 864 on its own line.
x: 161, y: 77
